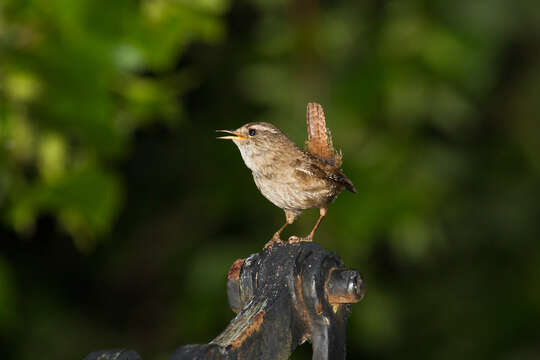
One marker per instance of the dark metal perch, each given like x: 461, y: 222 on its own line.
x: 283, y: 297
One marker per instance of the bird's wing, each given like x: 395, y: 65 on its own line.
x: 319, y: 141
x: 324, y: 173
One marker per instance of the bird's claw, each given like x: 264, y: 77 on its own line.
x: 275, y: 239
x: 295, y: 239
x: 292, y: 240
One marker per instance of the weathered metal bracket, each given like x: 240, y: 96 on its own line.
x: 284, y: 296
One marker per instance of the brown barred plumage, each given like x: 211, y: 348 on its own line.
x: 291, y: 178
x: 319, y: 141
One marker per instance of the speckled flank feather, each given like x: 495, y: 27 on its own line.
x: 319, y: 142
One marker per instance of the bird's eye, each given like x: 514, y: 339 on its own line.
x: 252, y: 132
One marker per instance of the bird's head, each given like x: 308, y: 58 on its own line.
x: 257, y: 141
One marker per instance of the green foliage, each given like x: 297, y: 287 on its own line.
x: 75, y: 92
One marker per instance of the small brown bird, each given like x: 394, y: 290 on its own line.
x: 291, y: 178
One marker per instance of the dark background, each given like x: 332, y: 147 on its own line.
x: 121, y: 214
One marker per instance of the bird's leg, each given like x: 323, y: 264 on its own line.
x: 276, y: 235
x: 289, y: 219
x: 294, y: 239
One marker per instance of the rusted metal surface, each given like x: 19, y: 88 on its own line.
x: 253, y: 327
x: 344, y: 286
x: 233, y: 285
x: 284, y: 296
x: 234, y: 271
x: 244, y: 326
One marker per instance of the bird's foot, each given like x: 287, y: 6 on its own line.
x: 275, y: 239
x: 295, y: 239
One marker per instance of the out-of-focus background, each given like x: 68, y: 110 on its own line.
x: 121, y: 213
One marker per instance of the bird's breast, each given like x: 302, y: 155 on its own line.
x: 292, y: 195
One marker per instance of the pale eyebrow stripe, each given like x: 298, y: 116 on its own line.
x: 263, y: 128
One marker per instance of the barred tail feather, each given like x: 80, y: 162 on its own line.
x: 319, y: 142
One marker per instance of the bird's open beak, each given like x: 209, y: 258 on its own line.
x: 236, y: 134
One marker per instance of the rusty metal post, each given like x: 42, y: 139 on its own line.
x: 284, y: 296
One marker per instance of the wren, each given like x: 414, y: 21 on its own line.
x: 292, y: 178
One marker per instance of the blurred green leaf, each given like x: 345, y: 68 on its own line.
x: 76, y: 89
